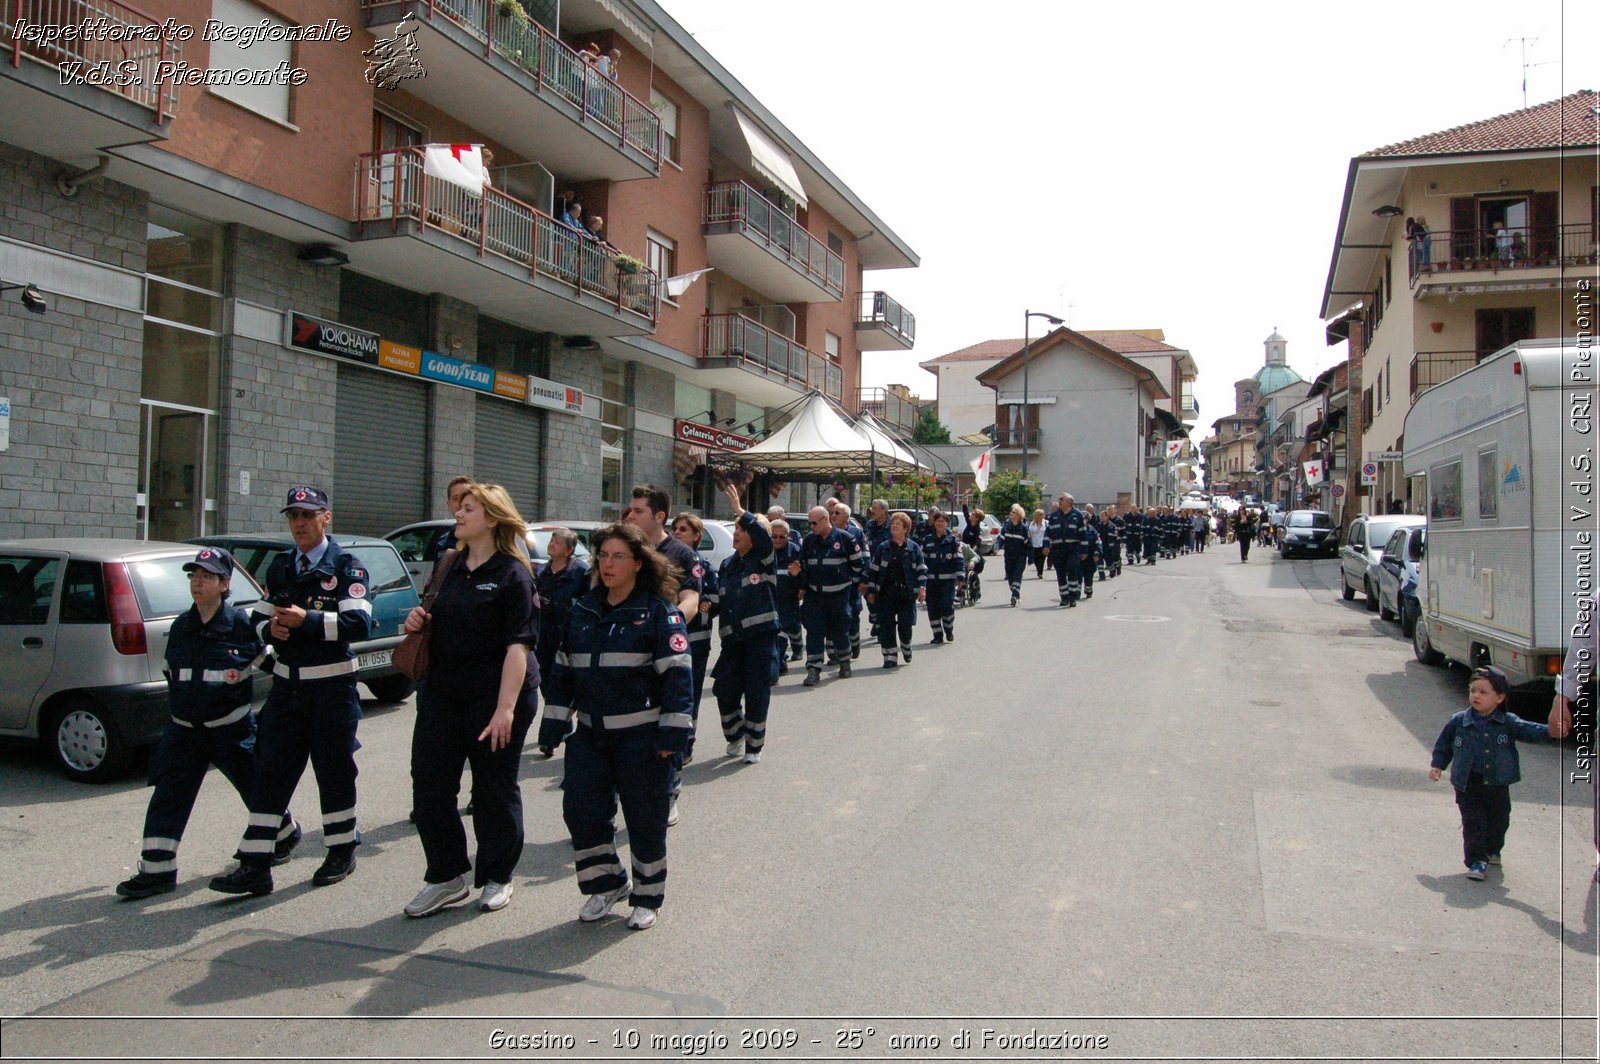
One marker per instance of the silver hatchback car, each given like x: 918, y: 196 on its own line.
x: 83, y: 631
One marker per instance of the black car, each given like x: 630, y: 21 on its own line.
x: 1309, y: 532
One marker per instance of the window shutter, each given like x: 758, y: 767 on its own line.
x: 1463, y: 227
x: 1546, y: 226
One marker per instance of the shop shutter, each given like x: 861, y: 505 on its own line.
x: 380, y: 452
x: 509, y: 451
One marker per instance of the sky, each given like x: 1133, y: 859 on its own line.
x: 1131, y: 166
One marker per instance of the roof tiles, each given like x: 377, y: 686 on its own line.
x: 1569, y: 122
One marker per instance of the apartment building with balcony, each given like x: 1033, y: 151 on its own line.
x: 1511, y: 210
x: 1174, y: 366
x: 258, y: 281
x: 1327, y: 438
x: 965, y: 406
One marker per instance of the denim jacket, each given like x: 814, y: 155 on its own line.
x: 1487, y: 745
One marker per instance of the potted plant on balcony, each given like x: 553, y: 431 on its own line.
x: 628, y: 264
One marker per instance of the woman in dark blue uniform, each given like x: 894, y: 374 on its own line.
x: 623, y: 674
x: 212, y: 651
x: 1016, y: 547
x: 747, y: 616
x: 476, y: 705
x: 563, y: 579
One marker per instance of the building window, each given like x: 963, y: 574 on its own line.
x: 613, y: 436
x: 690, y: 402
x: 830, y: 346
x: 748, y: 418
x: 1444, y: 491
x: 265, y: 56
x: 667, y: 111
x: 835, y: 243
x: 661, y: 255
x: 1388, y: 379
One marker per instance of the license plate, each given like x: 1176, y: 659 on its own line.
x: 375, y: 660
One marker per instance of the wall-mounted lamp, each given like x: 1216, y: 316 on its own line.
x: 1436, y: 326
x: 323, y: 255
x: 32, y: 298
x: 1388, y: 210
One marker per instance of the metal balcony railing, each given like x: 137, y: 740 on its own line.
x: 391, y: 186
x: 879, y: 308
x: 1524, y: 247
x: 889, y: 407
x: 123, y: 35
x: 559, y: 69
x: 736, y: 203
x: 734, y: 336
x: 1017, y: 439
x: 1429, y: 368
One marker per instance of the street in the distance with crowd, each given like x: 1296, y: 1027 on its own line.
x: 1200, y: 798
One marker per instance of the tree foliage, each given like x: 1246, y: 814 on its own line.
x: 1004, y: 490
x: 929, y: 429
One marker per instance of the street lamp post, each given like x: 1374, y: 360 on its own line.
x: 1027, y: 317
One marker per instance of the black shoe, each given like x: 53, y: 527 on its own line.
x: 146, y: 885
x: 890, y: 663
x: 938, y: 638
x: 246, y: 879
x: 283, y: 848
x: 547, y: 752
x: 855, y: 652
x: 795, y: 653
x: 1072, y: 603
x: 336, y: 866
x: 844, y: 670
x: 950, y: 636
x: 783, y: 668
x: 813, y: 677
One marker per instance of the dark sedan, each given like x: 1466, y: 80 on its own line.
x: 1309, y: 532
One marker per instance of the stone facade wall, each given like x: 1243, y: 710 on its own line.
x: 572, y: 444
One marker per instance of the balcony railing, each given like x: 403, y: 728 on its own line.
x: 100, y: 59
x: 734, y: 336
x: 735, y: 203
x: 391, y: 186
x: 1429, y: 368
x: 559, y: 69
x: 881, y: 309
x: 1525, y: 247
x: 889, y: 407
x: 1017, y: 439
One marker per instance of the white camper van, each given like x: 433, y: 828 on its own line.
x: 1492, y: 443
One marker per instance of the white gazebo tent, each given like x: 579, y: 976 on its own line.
x: 817, y: 443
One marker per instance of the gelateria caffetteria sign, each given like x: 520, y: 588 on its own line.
x: 334, y: 340
x: 707, y: 436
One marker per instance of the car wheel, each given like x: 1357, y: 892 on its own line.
x: 1372, y: 600
x: 1346, y: 592
x: 1408, y: 619
x: 396, y: 688
x: 85, y: 744
x: 1422, y: 648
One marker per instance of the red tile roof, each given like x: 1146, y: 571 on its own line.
x: 1129, y: 343
x: 987, y: 351
x: 1569, y: 122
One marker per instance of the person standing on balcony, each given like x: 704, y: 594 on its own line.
x: 1417, y: 233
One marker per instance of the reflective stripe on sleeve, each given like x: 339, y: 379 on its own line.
x: 672, y: 661
x: 330, y: 626
x: 555, y: 712
x: 616, y: 659
x: 356, y: 604
x: 676, y: 720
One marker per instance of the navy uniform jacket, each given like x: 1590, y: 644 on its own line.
x: 622, y: 670
x: 862, y: 548
x: 971, y: 534
x: 1014, y: 540
x: 787, y: 589
x: 746, y: 602
x: 831, y: 564
x: 942, y: 558
x: 556, y: 593
x: 700, y: 624
x: 907, y: 558
x: 1064, y: 528
x: 334, y: 594
x: 209, y: 666
x: 1091, y: 539
x: 876, y: 535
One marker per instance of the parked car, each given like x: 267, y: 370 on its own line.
x: 412, y: 541
x: 389, y: 589
x: 1363, y: 546
x: 1397, y: 573
x: 1309, y: 532
x: 988, y: 530
x: 85, y: 626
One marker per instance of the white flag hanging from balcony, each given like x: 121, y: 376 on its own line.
x: 459, y: 164
x: 1174, y: 448
x: 981, y: 467
x: 673, y: 287
x: 1313, y: 472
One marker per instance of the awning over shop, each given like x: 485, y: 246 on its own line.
x: 769, y: 160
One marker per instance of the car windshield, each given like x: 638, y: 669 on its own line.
x: 1378, y: 532
x: 1310, y: 519
x: 541, y: 540
x: 162, y: 586
x: 384, y: 569
x: 1414, y: 548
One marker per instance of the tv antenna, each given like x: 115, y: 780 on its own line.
x: 1524, y: 42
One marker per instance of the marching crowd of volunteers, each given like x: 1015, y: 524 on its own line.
x: 618, y: 647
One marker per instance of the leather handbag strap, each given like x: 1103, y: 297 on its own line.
x: 440, y: 571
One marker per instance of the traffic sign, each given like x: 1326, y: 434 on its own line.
x: 1338, y: 491
x: 1369, y: 473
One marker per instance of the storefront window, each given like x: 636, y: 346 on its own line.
x: 183, y: 249
x: 750, y: 418
x: 691, y: 402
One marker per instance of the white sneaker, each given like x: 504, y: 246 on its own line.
x: 672, y: 813
x: 495, y: 896
x: 598, y: 905
x: 736, y: 748
x: 435, y: 896
x: 642, y: 919
x: 753, y: 759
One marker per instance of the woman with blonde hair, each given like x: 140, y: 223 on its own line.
x: 476, y: 704
x: 623, y: 674
x: 1036, y: 532
x: 1015, y: 544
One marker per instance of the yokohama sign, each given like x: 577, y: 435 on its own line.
x: 706, y: 436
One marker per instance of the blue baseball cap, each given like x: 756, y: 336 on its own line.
x: 212, y: 560
x: 306, y: 497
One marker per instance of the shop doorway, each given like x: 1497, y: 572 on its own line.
x: 174, y: 445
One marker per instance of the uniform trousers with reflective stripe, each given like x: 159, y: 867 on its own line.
x: 444, y: 737
x: 1069, y: 573
x: 1087, y: 568
x: 600, y: 770
x: 177, y: 768
x: 789, y: 633
x: 1015, y: 567
x: 942, y: 606
x: 858, y: 606
x: 744, y: 672
x: 827, y: 618
x: 315, y: 719
x: 1152, y: 547
x: 897, y: 616
x: 1485, y: 817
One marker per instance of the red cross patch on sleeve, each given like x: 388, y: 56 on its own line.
x: 678, y: 643
x: 358, y: 590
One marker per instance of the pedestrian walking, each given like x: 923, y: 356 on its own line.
x: 972, y: 536
x: 1479, y: 747
x: 1110, y: 543
x: 790, y: 645
x: 446, y: 540
x: 1133, y: 528
x: 212, y: 652
x: 623, y: 675
x: 475, y: 705
x: 1036, y: 534
x: 1015, y: 547
x: 747, y: 618
x: 1244, y: 531
x: 316, y: 606
x: 564, y: 577
x: 689, y: 530
x: 947, y: 575
x: 877, y: 532
x: 1091, y: 549
x: 831, y: 568
x: 839, y: 514
x: 897, y: 581
x: 1066, y: 541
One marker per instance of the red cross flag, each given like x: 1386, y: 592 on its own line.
x: 1313, y: 472
x: 459, y: 164
x: 1174, y: 447
x: 982, y: 466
